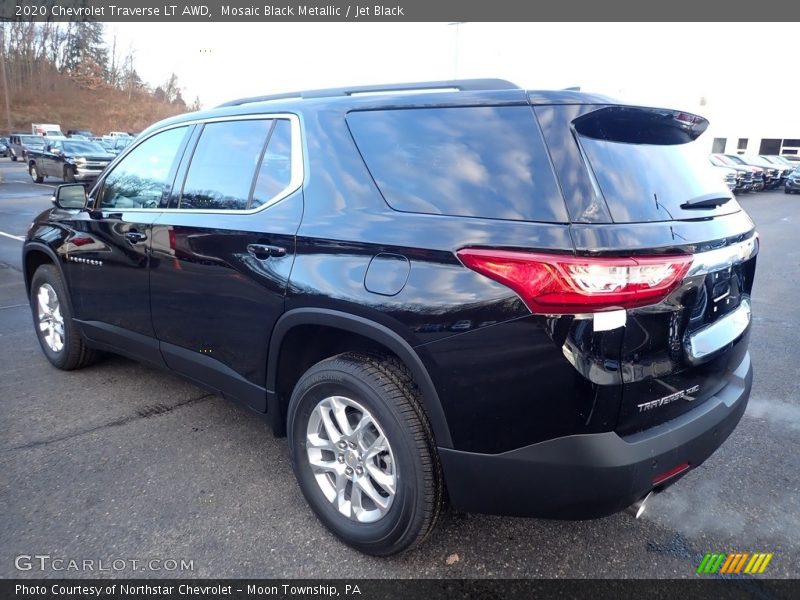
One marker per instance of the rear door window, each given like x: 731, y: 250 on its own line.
x: 648, y: 164
x: 487, y: 162
x: 223, y: 165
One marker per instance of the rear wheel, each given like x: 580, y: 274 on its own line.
x: 363, y: 453
x: 37, y: 178
x: 14, y: 157
x: 52, y: 317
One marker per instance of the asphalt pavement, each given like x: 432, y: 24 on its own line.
x: 124, y: 462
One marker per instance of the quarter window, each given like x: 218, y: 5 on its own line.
x: 487, y: 162
x: 143, y: 176
x: 275, y: 172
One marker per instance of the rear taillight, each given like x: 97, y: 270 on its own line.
x: 562, y: 284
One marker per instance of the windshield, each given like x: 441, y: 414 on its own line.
x: 648, y: 163
x: 83, y: 148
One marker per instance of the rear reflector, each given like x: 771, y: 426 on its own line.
x: 670, y: 474
x: 564, y: 284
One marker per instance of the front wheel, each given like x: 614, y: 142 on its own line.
x: 52, y: 317
x: 69, y: 175
x: 363, y: 453
x: 34, y: 171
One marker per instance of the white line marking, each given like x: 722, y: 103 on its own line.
x: 19, y: 238
x: 12, y: 306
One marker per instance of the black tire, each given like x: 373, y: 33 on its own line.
x: 34, y: 171
x: 74, y: 354
x: 786, y: 190
x: 69, y: 175
x: 14, y: 157
x: 383, y: 386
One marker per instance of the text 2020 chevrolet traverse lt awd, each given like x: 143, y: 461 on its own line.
x: 536, y: 301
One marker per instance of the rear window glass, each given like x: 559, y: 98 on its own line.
x: 487, y: 162
x: 648, y: 162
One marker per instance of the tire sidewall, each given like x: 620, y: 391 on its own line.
x: 387, y: 531
x: 48, y: 274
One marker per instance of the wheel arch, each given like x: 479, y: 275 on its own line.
x: 34, y: 255
x: 380, y: 337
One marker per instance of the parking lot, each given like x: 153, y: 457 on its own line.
x: 120, y: 461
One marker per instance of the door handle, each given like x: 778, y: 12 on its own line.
x: 135, y: 236
x: 264, y: 251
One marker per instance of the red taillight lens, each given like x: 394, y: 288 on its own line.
x: 559, y: 284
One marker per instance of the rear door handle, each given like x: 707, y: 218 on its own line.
x: 263, y: 251
x: 135, y: 236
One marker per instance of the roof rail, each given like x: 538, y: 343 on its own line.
x: 461, y: 85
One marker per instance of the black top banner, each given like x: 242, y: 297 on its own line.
x: 395, y: 10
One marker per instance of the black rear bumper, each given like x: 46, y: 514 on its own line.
x: 593, y: 475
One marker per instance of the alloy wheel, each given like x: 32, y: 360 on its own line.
x: 51, y: 321
x: 351, y: 459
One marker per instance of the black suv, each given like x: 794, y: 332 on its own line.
x: 533, y: 303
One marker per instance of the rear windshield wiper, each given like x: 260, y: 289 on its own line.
x: 706, y: 201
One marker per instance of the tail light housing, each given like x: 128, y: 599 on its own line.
x: 566, y: 284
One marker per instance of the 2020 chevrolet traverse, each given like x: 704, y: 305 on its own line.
x: 533, y: 303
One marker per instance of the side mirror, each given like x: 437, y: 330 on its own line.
x: 70, y: 196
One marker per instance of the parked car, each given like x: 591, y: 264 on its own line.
x: 5, y: 147
x: 729, y: 176
x: 316, y: 274
x: 792, y: 184
x: 21, y: 143
x: 784, y: 166
x: 745, y: 176
x: 70, y: 160
x: 757, y: 173
x: 83, y: 133
x: 772, y: 175
x: 115, y: 145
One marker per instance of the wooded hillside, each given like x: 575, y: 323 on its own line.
x: 66, y: 73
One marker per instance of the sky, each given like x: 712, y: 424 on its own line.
x: 727, y: 65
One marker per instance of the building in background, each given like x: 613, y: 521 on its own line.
x: 740, y: 127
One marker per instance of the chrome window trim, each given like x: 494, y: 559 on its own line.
x: 295, y: 182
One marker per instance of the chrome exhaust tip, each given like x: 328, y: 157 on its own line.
x: 637, y: 509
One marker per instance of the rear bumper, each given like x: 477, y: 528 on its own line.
x: 593, y: 475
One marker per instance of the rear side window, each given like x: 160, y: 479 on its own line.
x: 487, y: 162
x: 223, y: 165
x: 239, y: 165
